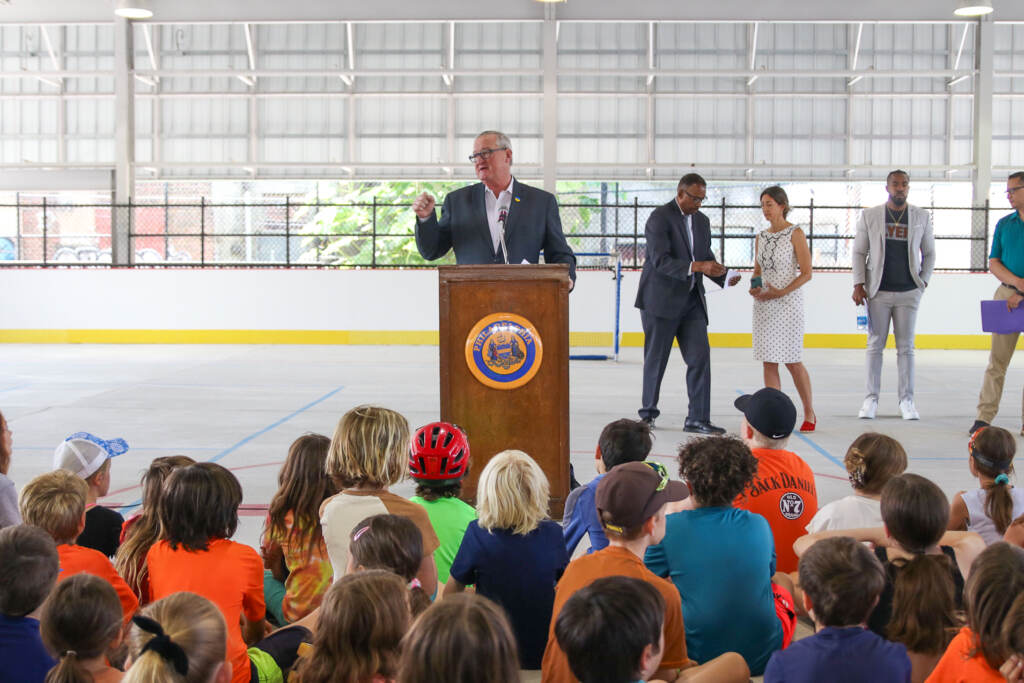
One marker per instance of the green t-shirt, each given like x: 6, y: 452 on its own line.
x: 450, y: 517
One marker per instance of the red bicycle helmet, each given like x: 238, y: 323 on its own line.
x: 440, y: 452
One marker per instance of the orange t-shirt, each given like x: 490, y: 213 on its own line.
x: 958, y: 666
x: 228, y: 574
x: 783, y: 492
x: 76, y: 559
x: 614, y: 561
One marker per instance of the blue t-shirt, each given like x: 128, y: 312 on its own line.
x: 23, y: 658
x: 722, y: 560
x: 519, y: 573
x: 840, y: 655
x: 1008, y: 243
x: 580, y: 517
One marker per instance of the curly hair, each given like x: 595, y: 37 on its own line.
x: 717, y: 469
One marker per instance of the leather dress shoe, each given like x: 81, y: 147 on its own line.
x: 701, y: 427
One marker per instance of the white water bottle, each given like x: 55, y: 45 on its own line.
x: 862, y: 318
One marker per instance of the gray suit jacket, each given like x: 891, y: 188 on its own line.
x: 532, y: 225
x: 664, y: 289
x: 869, y: 247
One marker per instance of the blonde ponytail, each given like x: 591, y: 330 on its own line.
x: 189, y: 623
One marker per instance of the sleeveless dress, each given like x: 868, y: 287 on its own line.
x: 778, y: 324
x: 979, y: 522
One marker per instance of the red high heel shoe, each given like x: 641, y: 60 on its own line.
x: 808, y: 426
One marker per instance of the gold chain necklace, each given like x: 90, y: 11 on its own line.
x: 902, y: 215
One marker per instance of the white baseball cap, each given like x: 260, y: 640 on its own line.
x: 83, y: 454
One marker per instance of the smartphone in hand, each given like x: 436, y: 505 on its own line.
x: 755, y: 282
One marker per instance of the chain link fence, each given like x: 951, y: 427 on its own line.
x: 380, y: 234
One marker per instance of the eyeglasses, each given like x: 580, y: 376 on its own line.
x: 661, y: 471
x: 484, y: 154
x: 1011, y: 190
x: 695, y: 198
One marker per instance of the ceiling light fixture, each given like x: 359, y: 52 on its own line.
x: 972, y: 8
x: 134, y: 9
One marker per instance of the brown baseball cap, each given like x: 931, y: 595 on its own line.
x: 634, y: 491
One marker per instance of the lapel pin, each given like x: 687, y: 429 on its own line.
x: 516, y: 198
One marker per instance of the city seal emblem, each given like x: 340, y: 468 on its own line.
x: 504, y: 351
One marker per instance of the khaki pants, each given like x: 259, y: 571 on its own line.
x: 995, y: 374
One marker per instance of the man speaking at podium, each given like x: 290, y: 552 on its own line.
x: 498, y: 220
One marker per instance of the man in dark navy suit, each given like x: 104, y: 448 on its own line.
x: 671, y: 301
x: 472, y: 217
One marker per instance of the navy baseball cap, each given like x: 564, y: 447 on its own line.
x: 769, y: 411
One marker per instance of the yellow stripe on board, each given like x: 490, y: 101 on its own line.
x: 429, y: 338
x: 371, y: 337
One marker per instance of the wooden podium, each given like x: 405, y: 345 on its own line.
x: 504, y: 337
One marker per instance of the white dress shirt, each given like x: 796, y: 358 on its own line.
x: 688, y: 223
x: 494, y: 205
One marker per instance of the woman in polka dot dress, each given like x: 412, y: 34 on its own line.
x: 783, y: 262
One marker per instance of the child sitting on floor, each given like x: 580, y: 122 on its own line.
x: 28, y: 570
x: 841, y: 583
x: 9, y: 515
x: 88, y: 457
x: 439, y: 461
x: 294, y: 553
x: 513, y: 553
x: 55, y: 502
x: 988, y: 510
x: 783, y: 490
x: 81, y: 621
x: 198, y: 515
x: 392, y: 543
x: 142, y: 530
x: 993, y: 593
x: 179, y: 639
x: 612, y: 631
x: 370, y: 452
x: 620, y: 441
x: 359, y: 632
x: 730, y: 601
x: 871, y: 461
x: 461, y: 639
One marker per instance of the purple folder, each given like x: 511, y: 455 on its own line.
x: 995, y: 318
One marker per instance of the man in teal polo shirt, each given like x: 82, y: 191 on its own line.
x: 1007, y: 263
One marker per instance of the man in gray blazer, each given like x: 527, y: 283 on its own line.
x: 671, y: 301
x: 893, y: 260
x: 474, y: 219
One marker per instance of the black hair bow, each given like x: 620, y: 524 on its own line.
x: 162, y: 644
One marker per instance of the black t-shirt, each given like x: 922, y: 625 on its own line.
x: 896, y: 269
x: 102, y: 530
x: 882, y: 614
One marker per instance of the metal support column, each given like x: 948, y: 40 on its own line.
x: 982, y: 176
x: 124, y: 141
x: 550, y: 125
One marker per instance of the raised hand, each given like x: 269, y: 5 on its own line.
x: 423, y: 206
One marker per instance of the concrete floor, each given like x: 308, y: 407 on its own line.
x: 243, y: 405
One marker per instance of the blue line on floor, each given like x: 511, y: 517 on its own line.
x: 821, y: 451
x: 134, y: 449
x: 231, y: 449
x: 14, y: 388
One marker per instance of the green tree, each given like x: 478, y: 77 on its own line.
x: 339, y: 230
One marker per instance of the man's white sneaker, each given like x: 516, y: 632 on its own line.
x: 867, y: 410
x: 908, y: 410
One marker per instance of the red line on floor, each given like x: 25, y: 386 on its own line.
x: 139, y: 485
